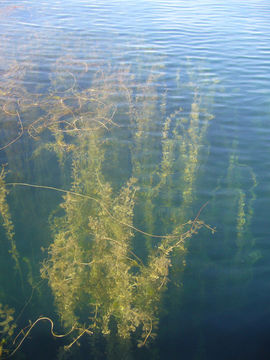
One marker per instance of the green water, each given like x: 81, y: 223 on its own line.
x: 133, y: 181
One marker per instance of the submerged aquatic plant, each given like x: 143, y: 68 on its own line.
x: 7, y: 222
x: 95, y: 274
x: 93, y: 268
x: 7, y: 327
x: 242, y: 183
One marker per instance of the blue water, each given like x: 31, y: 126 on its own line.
x: 167, y: 56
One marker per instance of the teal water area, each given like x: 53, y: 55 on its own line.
x: 134, y: 179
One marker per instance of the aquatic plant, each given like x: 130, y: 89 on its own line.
x: 93, y: 268
x: 7, y: 327
x: 242, y: 183
x: 7, y: 222
x: 170, y: 182
x: 98, y: 273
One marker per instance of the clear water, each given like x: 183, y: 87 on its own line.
x: 175, y: 94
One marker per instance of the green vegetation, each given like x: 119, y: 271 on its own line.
x: 92, y: 268
x: 242, y: 182
x: 7, y: 327
x: 8, y: 224
x: 95, y: 272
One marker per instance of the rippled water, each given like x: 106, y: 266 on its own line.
x: 175, y: 94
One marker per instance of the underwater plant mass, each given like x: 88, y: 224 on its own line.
x: 92, y: 268
x: 132, y: 203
